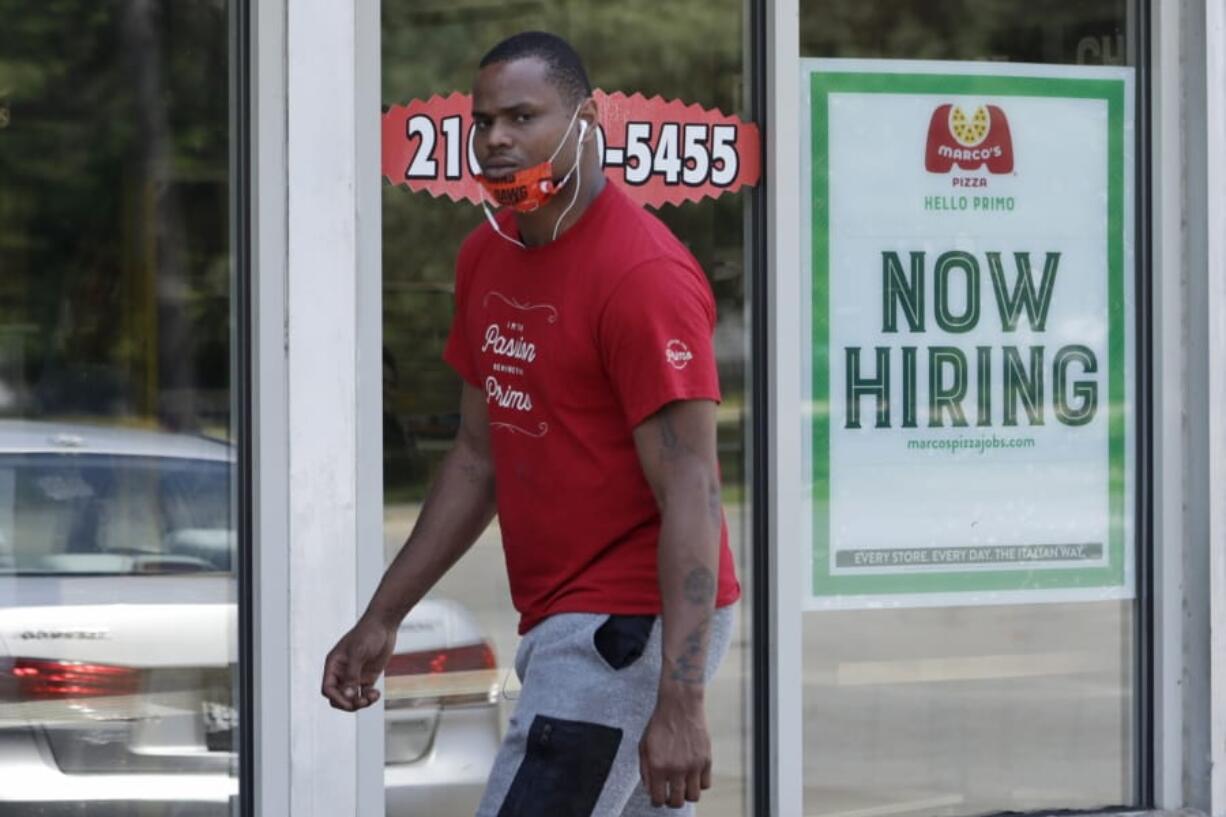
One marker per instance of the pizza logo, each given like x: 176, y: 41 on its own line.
x: 969, y: 143
x: 677, y: 354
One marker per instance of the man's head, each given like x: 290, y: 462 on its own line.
x: 531, y: 98
x: 535, y: 133
x: 563, y: 65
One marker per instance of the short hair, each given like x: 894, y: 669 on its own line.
x: 565, y: 67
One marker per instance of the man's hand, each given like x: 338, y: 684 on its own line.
x: 675, y: 752
x: 355, y: 663
x: 458, y: 507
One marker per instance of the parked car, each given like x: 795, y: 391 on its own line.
x: 118, y: 632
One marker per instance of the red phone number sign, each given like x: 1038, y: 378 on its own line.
x: 659, y: 152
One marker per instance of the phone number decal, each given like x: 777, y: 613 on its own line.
x: 660, y: 152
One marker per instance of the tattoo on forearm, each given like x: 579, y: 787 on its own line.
x: 714, y: 505
x: 669, y: 444
x: 473, y: 472
x: 689, y: 667
x: 699, y: 586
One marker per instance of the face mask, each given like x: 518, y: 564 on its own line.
x: 524, y: 190
x: 527, y: 190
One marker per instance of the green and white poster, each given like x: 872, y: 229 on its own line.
x: 968, y: 354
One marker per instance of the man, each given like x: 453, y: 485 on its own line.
x: 583, y: 333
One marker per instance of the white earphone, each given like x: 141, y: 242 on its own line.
x: 578, y: 171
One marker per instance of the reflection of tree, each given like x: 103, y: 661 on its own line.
x: 1040, y: 31
x: 141, y: 45
x: 113, y: 205
x: 687, y: 49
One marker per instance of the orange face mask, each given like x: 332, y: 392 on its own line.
x: 529, y: 189
x: 524, y: 190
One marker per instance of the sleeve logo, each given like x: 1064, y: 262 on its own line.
x: 677, y: 354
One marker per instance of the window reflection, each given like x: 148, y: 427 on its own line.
x: 1047, y: 31
x: 691, y: 51
x: 117, y: 546
x: 114, y: 514
x: 969, y: 710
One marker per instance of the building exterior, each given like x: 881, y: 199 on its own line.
x: 970, y: 265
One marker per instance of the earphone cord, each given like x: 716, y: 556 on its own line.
x: 576, y: 171
x: 578, y: 183
x: 494, y: 223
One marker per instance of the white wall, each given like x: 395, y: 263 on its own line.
x: 1190, y: 397
x: 1215, y: 305
x: 784, y: 237
x: 317, y: 411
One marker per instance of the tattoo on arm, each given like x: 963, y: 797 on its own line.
x: 473, y: 472
x: 714, y: 506
x: 700, y: 586
x: 669, y: 444
x: 690, y: 667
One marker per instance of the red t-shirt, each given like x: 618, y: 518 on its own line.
x: 574, y: 343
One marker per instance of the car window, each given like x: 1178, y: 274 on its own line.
x: 71, y: 513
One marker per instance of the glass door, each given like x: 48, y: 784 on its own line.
x: 970, y: 644
x: 119, y: 408
x: 655, y: 61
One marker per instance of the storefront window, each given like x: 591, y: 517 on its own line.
x: 952, y: 664
x: 691, y: 52
x: 118, y: 634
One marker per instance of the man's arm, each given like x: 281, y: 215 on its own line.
x: 458, y: 507
x: 676, y: 447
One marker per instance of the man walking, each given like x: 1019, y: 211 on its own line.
x: 583, y: 333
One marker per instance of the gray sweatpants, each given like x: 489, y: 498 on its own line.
x: 571, y: 748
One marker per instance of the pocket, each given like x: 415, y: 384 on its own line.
x: 565, y: 766
x: 622, y: 639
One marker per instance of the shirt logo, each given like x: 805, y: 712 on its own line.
x: 969, y: 142
x: 677, y: 354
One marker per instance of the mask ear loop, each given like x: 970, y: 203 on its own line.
x: 569, y: 125
x: 578, y: 171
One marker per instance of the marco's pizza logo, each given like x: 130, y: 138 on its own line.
x: 969, y: 142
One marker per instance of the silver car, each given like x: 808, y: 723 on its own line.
x: 118, y: 635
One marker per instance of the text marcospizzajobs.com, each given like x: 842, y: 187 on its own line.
x: 980, y: 444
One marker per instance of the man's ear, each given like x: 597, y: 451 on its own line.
x: 589, y: 116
